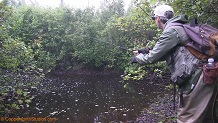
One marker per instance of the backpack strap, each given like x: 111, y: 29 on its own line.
x: 197, y: 53
x: 177, y: 27
x: 181, y: 102
x: 174, y: 96
x: 194, y: 22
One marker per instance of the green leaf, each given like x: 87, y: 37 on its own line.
x: 125, y: 86
x: 15, y: 106
x: 25, y: 94
x: 20, y: 101
x: 19, y: 91
x: 28, y: 101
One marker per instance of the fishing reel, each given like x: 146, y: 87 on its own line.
x: 143, y: 51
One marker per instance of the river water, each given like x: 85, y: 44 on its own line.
x: 91, y: 99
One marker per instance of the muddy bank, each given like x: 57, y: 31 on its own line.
x: 160, y: 111
x: 85, y: 72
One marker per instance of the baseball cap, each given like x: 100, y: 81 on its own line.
x: 160, y: 10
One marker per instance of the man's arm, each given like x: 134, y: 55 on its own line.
x: 166, y: 42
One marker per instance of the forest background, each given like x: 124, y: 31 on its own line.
x: 36, y: 41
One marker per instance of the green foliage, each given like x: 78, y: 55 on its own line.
x: 135, y: 72
x: 38, y: 39
x: 142, y: 32
x: 16, y: 91
x: 18, y: 71
x: 205, y: 10
x: 68, y: 38
x: 35, y: 40
x: 14, y: 54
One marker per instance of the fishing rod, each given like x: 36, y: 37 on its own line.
x: 143, y: 50
x: 143, y: 10
x: 121, y: 47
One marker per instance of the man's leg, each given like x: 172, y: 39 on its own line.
x: 196, y: 103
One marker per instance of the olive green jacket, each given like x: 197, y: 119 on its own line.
x: 170, y: 47
x: 167, y: 41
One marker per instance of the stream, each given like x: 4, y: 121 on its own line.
x: 91, y: 99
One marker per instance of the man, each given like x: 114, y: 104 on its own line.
x: 196, y: 98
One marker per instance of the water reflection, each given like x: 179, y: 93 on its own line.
x: 90, y: 99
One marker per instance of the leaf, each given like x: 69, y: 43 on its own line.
x: 19, y: 91
x: 32, y: 97
x: 20, y: 101
x: 156, y: 113
x: 25, y: 94
x: 15, y: 106
x: 28, y: 101
x: 125, y: 86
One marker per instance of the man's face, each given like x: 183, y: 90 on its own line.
x: 158, y: 22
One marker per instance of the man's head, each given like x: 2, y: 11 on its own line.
x: 162, y: 14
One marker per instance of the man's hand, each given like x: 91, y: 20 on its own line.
x: 133, y: 60
x: 137, y: 52
x: 144, y: 50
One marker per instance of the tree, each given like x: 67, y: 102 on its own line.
x: 205, y: 11
x: 18, y: 71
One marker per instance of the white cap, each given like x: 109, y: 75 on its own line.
x: 160, y: 10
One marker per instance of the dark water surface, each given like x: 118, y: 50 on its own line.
x: 91, y: 99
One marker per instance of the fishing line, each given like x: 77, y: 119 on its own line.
x: 121, y: 47
x: 144, y: 10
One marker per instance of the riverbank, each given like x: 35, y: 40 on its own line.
x: 160, y: 111
x: 85, y: 72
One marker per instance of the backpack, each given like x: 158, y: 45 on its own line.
x: 204, y: 39
x: 203, y: 44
